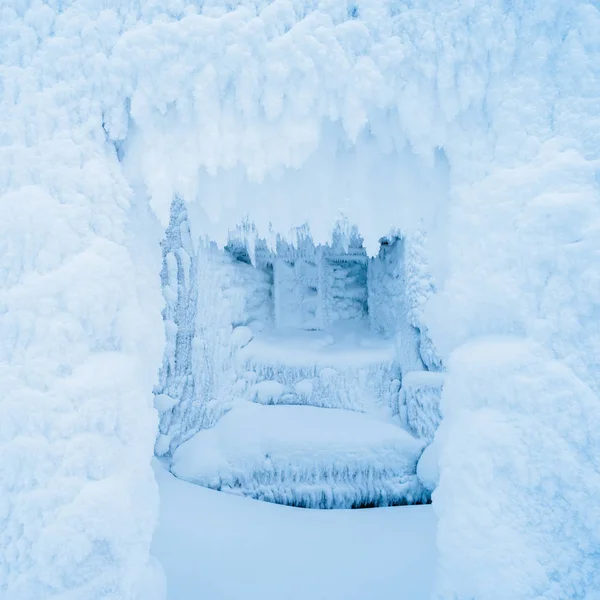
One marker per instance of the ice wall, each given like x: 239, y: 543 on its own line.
x: 211, y: 297
x: 389, y: 302
x: 179, y: 282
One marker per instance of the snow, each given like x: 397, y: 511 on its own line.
x: 428, y: 467
x: 344, y: 347
x: 519, y: 444
x: 304, y: 456
x: 474, y: 123
x: 225, y: 547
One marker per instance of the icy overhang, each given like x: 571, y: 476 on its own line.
x: 382, y: 189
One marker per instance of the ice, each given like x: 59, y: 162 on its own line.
x: 176, y: 384
x: 428, y: 467
x: 304, y: 456
x: 267, y: 392
x: 213, y: 306
x: 419, y: 402
x: 80, y: 335
x: 518, y: 444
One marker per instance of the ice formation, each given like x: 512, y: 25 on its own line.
x: 474, y: 123
x: 419, y: 402
x: 304, y: 456
x: 298, y: 328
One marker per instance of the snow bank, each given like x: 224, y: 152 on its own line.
x: 519, y: 494
x: 304, y: 456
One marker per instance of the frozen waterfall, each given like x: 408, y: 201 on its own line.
x: 298, y: 328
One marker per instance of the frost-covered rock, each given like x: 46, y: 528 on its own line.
x: 518, y: 446
x: 211, y: 311
x: 389, y: 303
x: 316, y: 369
x: 304, y: 456
x: 180, y: 290
x: 419, y: 402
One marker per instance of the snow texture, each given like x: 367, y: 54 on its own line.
x: 80, y: 329
x: 419, y: 402
x: 338, y: 554
x: 389, y: 303
x: 180, y: 290
x: 349, y: 370
x: 304, y: 456
x: 519, y: 444
x: 428, y: 467
x: 287, y: 326
x: 474, y: 122
x: 202, y: 372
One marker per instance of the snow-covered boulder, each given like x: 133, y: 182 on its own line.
x: 304, y: 456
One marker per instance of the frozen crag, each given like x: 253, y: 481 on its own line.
x: 211, y: 296
x: 304, y: 456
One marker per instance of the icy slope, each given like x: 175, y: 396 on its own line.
x: 304, y: 456
x: 224, y: 547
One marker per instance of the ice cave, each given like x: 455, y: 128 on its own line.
x: 331, y: 390
x: 300, y: 299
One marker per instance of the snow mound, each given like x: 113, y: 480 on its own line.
x: 304, y: 456
x: 519, y: 494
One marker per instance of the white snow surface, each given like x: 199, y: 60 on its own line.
x: 224, y: 547
x: 518, y: 500
x: 476, y: 122
x: 304, y: 456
